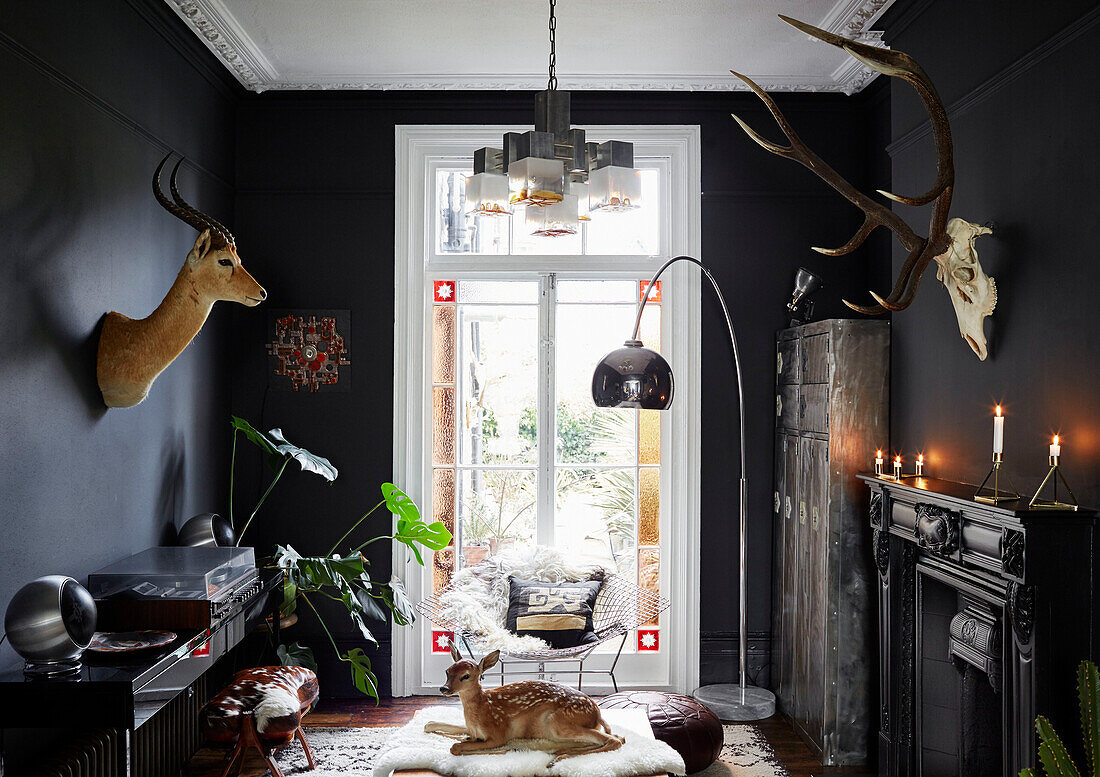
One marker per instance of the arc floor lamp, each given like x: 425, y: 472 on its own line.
x: 634, y: 376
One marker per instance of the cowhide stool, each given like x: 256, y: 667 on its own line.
x: 261, y: 708
x: 681, y: 722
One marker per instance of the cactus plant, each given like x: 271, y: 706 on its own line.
x: 1053, y: 755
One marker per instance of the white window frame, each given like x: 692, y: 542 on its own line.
x: 419, y: 151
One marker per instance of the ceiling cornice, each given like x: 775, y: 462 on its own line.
x: 216, y: 26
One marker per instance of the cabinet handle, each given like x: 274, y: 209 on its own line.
x: 775, y: 502
x: 802, y: 513
x: 814, y: 520
x: 787, y: 507
x: 778, y: 405
x: 779, y: 363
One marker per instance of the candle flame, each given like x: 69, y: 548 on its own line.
x: 1055, y: 439
x: 920, y: 458
x: 897, y: 459
x: 998, y: 410
x: 878, y: 454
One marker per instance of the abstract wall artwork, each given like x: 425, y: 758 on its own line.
x: 309, y: 350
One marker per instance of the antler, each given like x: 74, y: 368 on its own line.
x: 921, y: 250
x: 182, y: 210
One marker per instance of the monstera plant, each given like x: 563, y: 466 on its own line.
x: 1053, y: 754
x: 342, y: 577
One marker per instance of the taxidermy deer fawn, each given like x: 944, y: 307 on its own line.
x: 950, y: 243
x: 133, y: 352
x: 566, y: 722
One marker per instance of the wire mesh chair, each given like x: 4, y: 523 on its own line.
x: 620, y: 607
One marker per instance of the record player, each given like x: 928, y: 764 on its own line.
x: 174, y: 588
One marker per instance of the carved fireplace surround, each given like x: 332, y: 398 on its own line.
x: 984, y: 613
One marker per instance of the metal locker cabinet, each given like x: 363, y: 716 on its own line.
x: 823, y: 613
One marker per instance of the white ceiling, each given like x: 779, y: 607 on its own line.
x: 503, y: 44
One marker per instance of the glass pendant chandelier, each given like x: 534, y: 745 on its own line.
x: 558, y: 177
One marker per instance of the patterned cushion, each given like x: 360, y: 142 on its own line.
x: 559, y: 613
x: 278, y: 697
x: 681, y: 722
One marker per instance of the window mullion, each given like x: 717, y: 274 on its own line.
x: 544, y: 525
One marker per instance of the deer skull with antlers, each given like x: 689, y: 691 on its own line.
x: 133, y: 352
x: 949, y: 243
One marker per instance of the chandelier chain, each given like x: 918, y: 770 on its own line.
x: 552, y: 83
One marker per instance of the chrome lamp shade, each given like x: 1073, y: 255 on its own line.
x: 49, y: 622
x: 633, y: 376
x: 206, y: 530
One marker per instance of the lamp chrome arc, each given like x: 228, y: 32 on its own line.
x: 730, y: 702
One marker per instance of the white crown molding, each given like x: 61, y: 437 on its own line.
x: 222, y: 34
x: 219, y: 30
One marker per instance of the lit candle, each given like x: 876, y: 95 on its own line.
x: 897, y: 466
x: 998, y: 432
x: 1055, y: 448
x: 878, y: 462
x: 920, y: 464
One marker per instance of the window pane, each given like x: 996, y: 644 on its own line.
x: 443, y: 344
x: 595, y: 516
x: 498, y: 368
x: 443, y: 425
x: 497, y: 508
x: 457, y: 233
x: 631, y: 232
x: 598, y: 291
x: 443, y: 497
x: 649, y: 573
x: 649, y: 436
x: 524, y: 292
x: 443, y: 567
x: 649, y: 512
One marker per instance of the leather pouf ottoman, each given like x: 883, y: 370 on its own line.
x: 681, y: 722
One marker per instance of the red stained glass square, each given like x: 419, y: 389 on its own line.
x: 649, y: 640
x: 441, y: 641
x: 444, y: 291
x: 654, y: 295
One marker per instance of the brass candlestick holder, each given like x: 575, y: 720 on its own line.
x: 997, y: 494
x: 1053, y: 476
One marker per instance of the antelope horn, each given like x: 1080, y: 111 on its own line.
x: 213, y: 224
x: 903, y: 66
x: 187, y: 216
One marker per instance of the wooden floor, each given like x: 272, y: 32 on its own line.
x: 798, y: 760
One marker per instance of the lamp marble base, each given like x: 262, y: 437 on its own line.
x: 725, y: 701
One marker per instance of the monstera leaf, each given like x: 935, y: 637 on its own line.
x: 361, y: 674
x: 272, y: 456
x: 309, y: 462
x: 399, y: 602
x: 296, y: 654
x: 411, y: 530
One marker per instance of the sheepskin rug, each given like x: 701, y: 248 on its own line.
x: 478, y: 598
x: 411, y: 748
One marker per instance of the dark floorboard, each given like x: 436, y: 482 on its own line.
x: 798, y: 760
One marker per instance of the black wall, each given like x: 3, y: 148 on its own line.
x: 93, y: 95
x: 1019, y: 88
x: 315, y: 210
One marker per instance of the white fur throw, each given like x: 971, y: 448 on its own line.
x: 478, y: 599
x: 411, y: 748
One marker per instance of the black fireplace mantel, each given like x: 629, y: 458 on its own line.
x: 1029, y: 575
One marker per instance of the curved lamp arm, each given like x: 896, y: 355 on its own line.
x: 729, y: 327
x: 743, y: 635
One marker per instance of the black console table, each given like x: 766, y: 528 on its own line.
x: 145, y: 708
x: 984, y: 612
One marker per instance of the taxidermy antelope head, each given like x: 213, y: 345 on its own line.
x: 133, y: 352
x: 564, y: 722
x: 949, y: 243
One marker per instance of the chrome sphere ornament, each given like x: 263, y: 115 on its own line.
x: 49, y: 622
x: 633, y: 376
x: 207, y: 530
